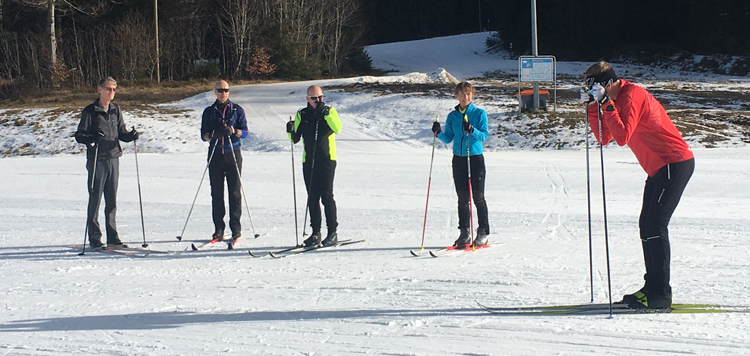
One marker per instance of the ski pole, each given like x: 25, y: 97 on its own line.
x: 588, y: 196
x: 294, y: 192
x: 468, y: 165
x: 242, y: 188
x: 210, y: 157
x: 91, y: 190
x: 429, y: 182
x: 312, y: 175
x: 604, y: 205
x: 140, y: 198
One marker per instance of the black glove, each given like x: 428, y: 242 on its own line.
x: 467, y: 127
x: 88, y: 138
x: 84, y: 138
x: 224, y: 130
x: 436, y: 128
x: 134, y: 134
x: 322, y: 109
x: 290, y: 126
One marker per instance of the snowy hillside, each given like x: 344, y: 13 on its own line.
x: 372, y: 297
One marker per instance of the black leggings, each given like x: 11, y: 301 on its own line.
x: 320, y: 190
x: 461, y: 181
x: 660, y: 198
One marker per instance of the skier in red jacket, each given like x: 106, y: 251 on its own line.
x: 631, y: 116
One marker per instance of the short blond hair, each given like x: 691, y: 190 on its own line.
x: 464, y: 87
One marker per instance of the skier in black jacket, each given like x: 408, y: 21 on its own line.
x: 102, y: 128
x: 316, y: 124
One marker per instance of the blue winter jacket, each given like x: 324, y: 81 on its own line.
x: 231, y: 115
x: 454, y: 131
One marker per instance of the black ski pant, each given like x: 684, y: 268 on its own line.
x: 223, y: 166
x: 660, y: 198
x: 103, y: 177
x: 319, y: 183
x: 461, y: 181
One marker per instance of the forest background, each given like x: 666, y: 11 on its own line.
x: 48, y: 45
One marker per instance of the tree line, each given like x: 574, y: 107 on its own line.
x: 52, y: 43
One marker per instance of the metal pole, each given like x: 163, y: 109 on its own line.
x: 294, y: 192
x: 429, y: 182
x: 588, y: 196
x: 140, y: 198
x: 312, y: 176
x: 156, y: 31
x: 468, y: 167
x: 210, y: 157
x: 604, y: 206
x: 534, y: 49
x: 242, y: 188
x: 479, y: 12
x: 91, y: 189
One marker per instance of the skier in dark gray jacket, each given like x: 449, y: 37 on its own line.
x: 101, y: 129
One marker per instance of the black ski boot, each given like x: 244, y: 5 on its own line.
x: 638, y: 296
x: 463, y: 239
x: 218, y: 235
x: 482, y: 238
x: 331, y: 239
x: 313, y: 240
x: 96, y: 244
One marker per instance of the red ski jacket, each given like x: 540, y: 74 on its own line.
x: 636, y: 119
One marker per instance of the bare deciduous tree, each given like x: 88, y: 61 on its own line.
x: 51, y: 7
x: 133, y: 45
x: 239, y: 20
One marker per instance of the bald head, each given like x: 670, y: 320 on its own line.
x: 314, y: 90
x: 314, y: 95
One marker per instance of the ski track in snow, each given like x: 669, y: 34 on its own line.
x: 372, y: 297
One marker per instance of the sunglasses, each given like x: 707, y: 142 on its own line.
x: 315, y: 98
x: 222, y: 90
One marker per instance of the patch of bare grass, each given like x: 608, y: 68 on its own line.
x: 129, y: 96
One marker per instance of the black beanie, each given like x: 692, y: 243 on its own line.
x: 604, y: 79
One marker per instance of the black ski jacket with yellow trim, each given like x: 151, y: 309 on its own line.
x: 327, y: 124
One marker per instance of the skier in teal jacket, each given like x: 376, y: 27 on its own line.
x: 466, y: 127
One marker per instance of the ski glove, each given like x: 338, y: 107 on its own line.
x: 586, y: 98
x: 134, y: 134
x: 225, y: 130
x: 436, y: 128
x: 322, y: 109
x: 87, y: 138
x: 468, y: 128
x: 597, y: 92
x: 290, y: 126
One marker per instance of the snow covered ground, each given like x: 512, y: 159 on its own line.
x: 373, y: 297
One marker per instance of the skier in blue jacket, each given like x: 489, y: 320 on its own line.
x: 224, y: 124
x: 466, y: 127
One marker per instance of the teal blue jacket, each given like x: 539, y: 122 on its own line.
x: 454, y: 131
